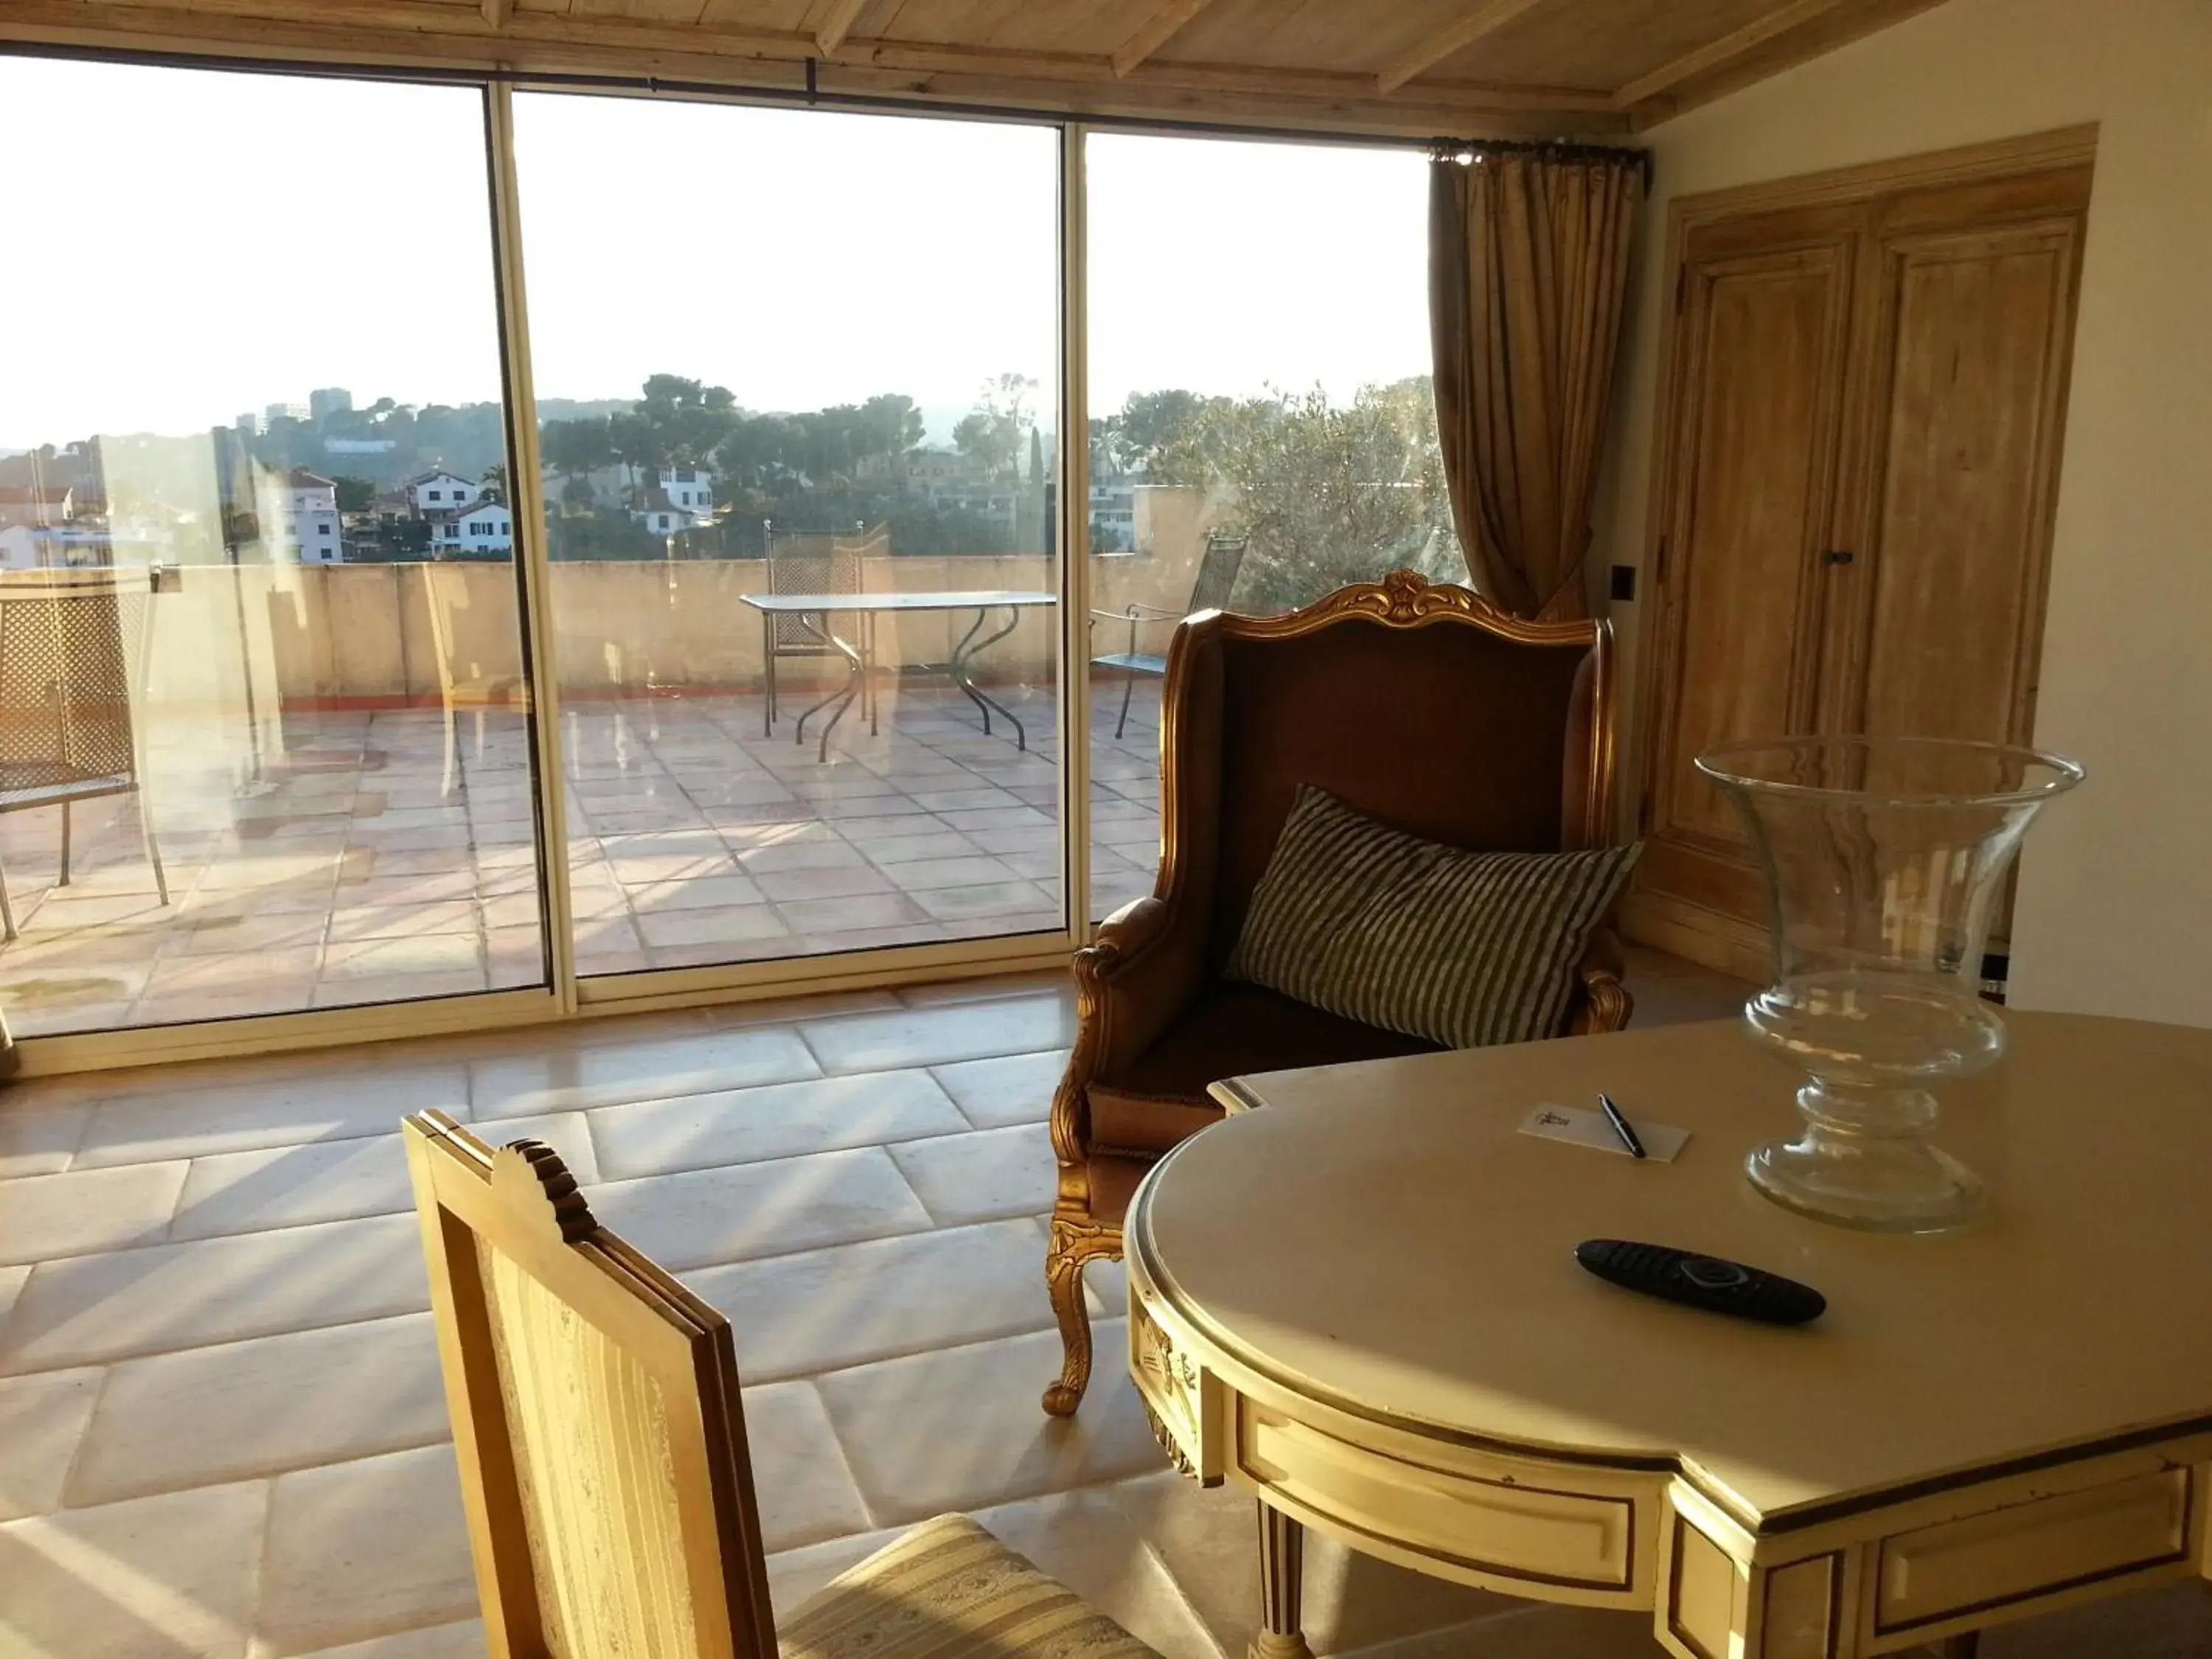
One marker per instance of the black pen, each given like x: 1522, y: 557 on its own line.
x: 1620, y: 1127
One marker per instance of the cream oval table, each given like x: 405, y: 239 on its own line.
x: 1361, y: 1304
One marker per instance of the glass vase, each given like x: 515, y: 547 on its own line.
x: 1885, y: 861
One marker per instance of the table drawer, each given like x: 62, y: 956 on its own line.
x: 2026, y: 1549
x: 1501, y: 1528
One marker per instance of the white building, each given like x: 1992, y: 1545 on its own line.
x: 689, y: 489
x: 299, y: 513
x: 485, y: 527
x: 37, y: 504
x: 682, y: 500
x: 433, y: 493
x: 1113, y: 514
x: 276, y: 412
x: 54, y: 547
x: 326, y: 401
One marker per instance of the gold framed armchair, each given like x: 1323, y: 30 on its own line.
x: 1418, y: 704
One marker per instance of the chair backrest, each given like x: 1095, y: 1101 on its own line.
x: 73, y: 652
x: 1422, y: 706
x: 595, y: 1411
x: 807, y: 564
x: 1217, y: 571
x: 445, y: 587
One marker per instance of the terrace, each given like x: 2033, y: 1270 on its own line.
x: 340, y: 865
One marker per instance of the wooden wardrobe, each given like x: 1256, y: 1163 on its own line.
x: 1859, y: 439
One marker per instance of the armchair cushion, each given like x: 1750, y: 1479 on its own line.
x: 1228, y: 1030
x: 1461, y: 948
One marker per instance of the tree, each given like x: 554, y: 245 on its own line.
x: 893, y: 425
x: 991, y: 433
x: 1030, y: 531
x: 1330, y: 495
x: 575, y: 448
x: 1107, y: 461
x: 677, y: 422
x: 1164, y: 434
x: 355, y: 494
x: 495, y: 483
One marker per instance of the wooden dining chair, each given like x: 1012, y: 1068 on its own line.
x: 604, y: 1470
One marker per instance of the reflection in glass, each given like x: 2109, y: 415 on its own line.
x: 262, y: 746
x: 799, y: 450
x: 1262, y: 426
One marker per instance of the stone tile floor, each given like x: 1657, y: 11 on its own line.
x: 221, y: 1431
x: 349, y: 871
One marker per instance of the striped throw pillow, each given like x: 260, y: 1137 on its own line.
x: 1465, y: 949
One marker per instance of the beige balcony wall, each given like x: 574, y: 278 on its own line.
x: 360, y: 635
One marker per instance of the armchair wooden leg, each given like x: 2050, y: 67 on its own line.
x: 1073, y: 1244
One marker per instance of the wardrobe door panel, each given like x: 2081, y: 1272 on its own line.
x: 1755, y: 437
x: 1973, y: 339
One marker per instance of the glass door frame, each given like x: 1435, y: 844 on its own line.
x: 567, y: 996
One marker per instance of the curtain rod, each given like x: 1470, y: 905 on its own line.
x: 808, y: 94
x: 1453, y: 149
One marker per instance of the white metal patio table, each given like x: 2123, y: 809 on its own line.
x: 860, y: 660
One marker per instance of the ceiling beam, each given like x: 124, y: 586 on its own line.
x: 399, y: 33
x: 1154, y: 32
x: 1461, y: 33
x: 836, y: 23
x: 1718, y: 54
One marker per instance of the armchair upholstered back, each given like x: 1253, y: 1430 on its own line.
x: 1445, y: 719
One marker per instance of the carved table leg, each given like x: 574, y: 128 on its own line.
x: 1282, y: 1582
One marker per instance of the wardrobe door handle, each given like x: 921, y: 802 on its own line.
x: 1836, y: 555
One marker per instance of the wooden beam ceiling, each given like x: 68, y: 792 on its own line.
x: 1117, y: 57
x: 1716, y: 54
x: 836, y: 23
x: 1455, y: 36
x: 1154, y: 32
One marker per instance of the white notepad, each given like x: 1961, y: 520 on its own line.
x: 1581, y: 1125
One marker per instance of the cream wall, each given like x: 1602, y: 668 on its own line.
x: 2115, y: 909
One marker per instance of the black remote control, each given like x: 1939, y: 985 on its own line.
x: 1701, y: 1281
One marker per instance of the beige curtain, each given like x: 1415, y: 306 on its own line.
x: 1527, y: 265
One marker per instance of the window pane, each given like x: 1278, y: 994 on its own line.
x: 1261, y: 426
x: 799, y: 453
x: 221, y: 639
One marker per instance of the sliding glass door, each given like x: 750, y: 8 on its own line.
x: 1261, y: 429
x: 284, y: 641
x: 264, y: 737
x: 795, y: 373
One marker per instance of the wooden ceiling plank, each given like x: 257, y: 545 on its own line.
x: 1046, y: 84
x: 1457, y: 35
x: 836, y: 23
x: 1716, y: 54
x: 495, y: 14
x: 1154, y: 32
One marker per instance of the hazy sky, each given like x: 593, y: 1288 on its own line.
x: 222, y: 242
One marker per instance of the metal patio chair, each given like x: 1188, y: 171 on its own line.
x: 1217, y: 575
x: 464, y: 682
x: 799, y: 562
x: 74, y: 652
